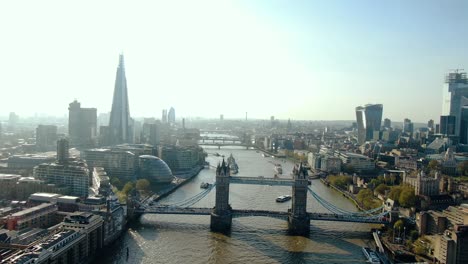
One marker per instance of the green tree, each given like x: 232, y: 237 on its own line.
x: 462, y: 168
x: 433, y: 165
x: 348, y: 168
x: 399, y: 225
x: 143, y: 185
x: 395, y: 193
x: 407, y: 197
x: 363, y: 195
x: 127, y: 188
x: 116, y: 183
x: 419, y: 249
x: 340, y: 181
x: 381, y: 188
x: 414, y: 235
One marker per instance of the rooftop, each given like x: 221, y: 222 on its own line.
x: 32, y: 209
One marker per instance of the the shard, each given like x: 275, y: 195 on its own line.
x: 120, y: 127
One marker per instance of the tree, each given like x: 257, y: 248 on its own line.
x: 433, y: 165
x: 395, y: 193
x: 419, y: 249
x: 399, y: 225
x: 348, y: 168
x: 340, y: 181
x: 116, y: 183
x: 414, y: 235
x: 127, y: 188
x: 381, y: 188
x: 462, y: 168
x: 143, y: 185
x: 407, y: 197
x: 363, y: 195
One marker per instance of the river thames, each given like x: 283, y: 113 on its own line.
x: 187, y: 239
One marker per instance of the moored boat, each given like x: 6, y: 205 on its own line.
x: 278, y: 168
x: 371, y: 255
x: 234, y: 168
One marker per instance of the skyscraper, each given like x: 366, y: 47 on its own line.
x: 171, y: 116
x: 46, y: 137
x: 408, y: 126
x: 164, y: 116
x: 455, y: 96
x: 120, y: 130
x: 387, y: 123
x: 447, y: 125
x: 82, y: 125
x: 369, y: 119
x: 430, y: 125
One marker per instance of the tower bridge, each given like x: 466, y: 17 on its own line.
x: 298, y: 218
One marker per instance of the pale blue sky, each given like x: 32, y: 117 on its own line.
x: 293, y: 59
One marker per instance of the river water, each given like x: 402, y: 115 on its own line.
x: 187, y: 239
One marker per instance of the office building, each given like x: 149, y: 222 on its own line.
x: 154, y: 169
x: 464, y: 125
x: 369, y: 119
x: 358, y: 162
x: 116, y: 162
x: 430, y: 125
x: 447, y: 125
x: 82, y: 125
x: 62, y: 151
x: 164, y: 116
x: 46, y: 137
x: 171, y: 116
x: 7, y: 185
x: 455, y: 96
x: 151, y: 133
x: 41, y: 216
x: 120, y: 127
x: 408, y: 126
x: 387, y: 123
x: 65, y: 172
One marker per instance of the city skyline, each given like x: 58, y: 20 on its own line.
x: 269, y: 60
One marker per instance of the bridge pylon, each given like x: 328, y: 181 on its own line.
x: 221, y: 215
x: 299, y: 220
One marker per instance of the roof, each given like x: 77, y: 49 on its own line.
x: 32, y: 209
x: 9, y: 176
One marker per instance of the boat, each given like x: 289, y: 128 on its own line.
x: 234, y: 168
x: 204, y: 185
x: 217, y: 154
x: 371, y: 255
x: 278, y: 168
x: 265, y: 155
x: 283, y: 198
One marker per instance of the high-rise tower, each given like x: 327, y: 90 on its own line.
x: 171, y: 116
x: 455, y: 96
x: 369, y: 119
x: 120, y: 123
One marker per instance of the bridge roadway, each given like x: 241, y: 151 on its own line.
x: 261, y: 181
x: 227, y: 143
x: 265, y: 213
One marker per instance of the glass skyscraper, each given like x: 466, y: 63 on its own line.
x: 369, y: 119
x: 120, y: 129
x: 455, y: 97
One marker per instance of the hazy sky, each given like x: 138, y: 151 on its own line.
x: 291, y: 59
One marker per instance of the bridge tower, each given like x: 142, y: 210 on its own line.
x: 299, y: 221
x: 221, y: 215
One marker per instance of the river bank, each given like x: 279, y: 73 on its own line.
x: 181, y: 180
x: 345, y: 194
